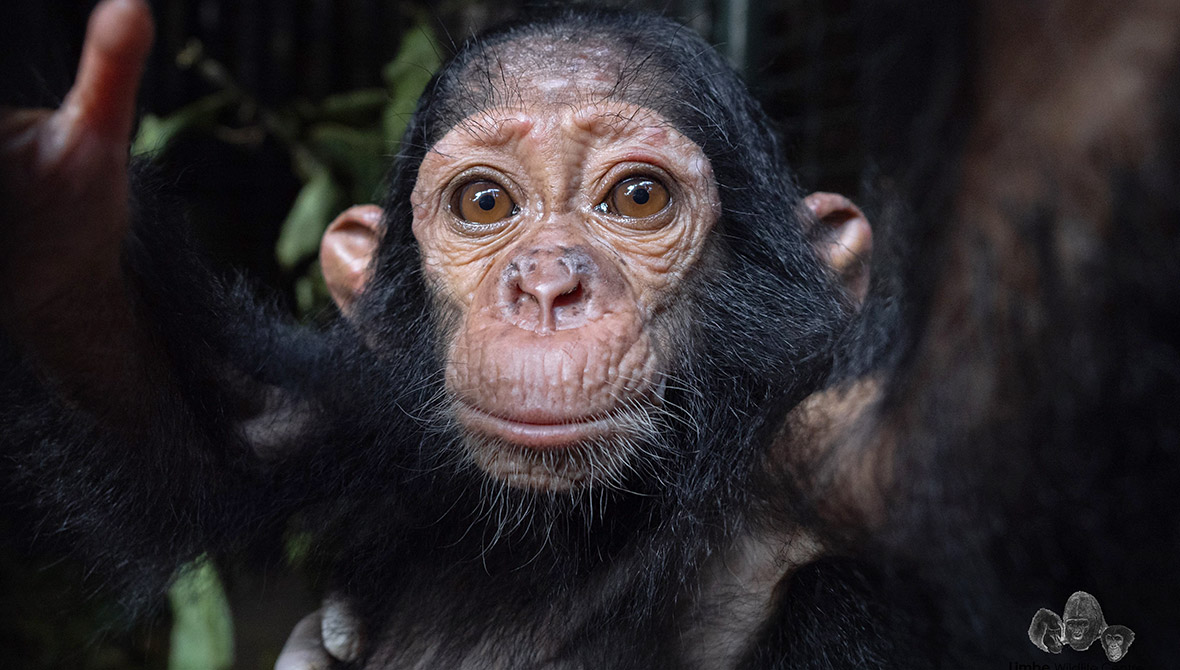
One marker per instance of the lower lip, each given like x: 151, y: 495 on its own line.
x: 542, y: 437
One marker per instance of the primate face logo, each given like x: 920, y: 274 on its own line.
x: 1082, y: 626
x: 1077, y: 629
x: 1116, y: 640
x: 1046, y: 631
x: 1052, y: 637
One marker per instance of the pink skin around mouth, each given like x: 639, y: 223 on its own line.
x: 542, y: 436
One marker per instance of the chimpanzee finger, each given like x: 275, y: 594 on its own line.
x: 118, y: 40
x: 340, y: 629
x: 304, y: 650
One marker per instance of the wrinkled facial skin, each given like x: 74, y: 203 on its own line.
x: 553, y: 359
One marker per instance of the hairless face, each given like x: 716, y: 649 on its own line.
x: 556, y: 226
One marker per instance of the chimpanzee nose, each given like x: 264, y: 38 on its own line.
x: 547, y: 289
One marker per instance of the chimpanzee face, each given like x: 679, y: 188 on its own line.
x: 555, y: 230
x: 566, y: 231
x: 1116, y: 640
x: 1113, y: 643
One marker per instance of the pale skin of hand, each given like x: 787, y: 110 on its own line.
x: 332, y: 632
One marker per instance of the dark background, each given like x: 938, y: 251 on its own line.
x: 801, y: 56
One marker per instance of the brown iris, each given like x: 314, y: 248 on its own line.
x: 483, y: 202
x: 637, y: 197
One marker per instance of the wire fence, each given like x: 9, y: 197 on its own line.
x: 800, y: 56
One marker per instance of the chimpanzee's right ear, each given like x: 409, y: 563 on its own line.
x: 345, y: 251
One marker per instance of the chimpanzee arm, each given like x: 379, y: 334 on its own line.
x: 134, y: 381
x: 66, y: 216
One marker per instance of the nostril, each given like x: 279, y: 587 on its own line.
x: 521, y: 294
x: 570, y: 297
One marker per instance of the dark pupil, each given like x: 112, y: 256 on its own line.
x: 640, y: 195
x: 486, y: 201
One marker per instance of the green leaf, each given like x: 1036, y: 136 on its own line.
x: 358, y: 155
x: 311, y: 296
x: 157, y: 133
x: 417, y: 58
x: 407, y: 76
x: 354, y: 108
x: 298, y: 546
x: 202, y: 624
x: 316, y: 204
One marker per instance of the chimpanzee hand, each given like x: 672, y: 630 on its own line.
x: 64, y: 183
x: 333, y: 632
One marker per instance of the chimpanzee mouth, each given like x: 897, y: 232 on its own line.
x: 546, y: 453
x: 542, y: 433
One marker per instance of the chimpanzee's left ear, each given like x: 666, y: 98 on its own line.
x: 345, y: 251
x: 846, y: 241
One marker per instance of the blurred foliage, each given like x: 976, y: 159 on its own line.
x: 202, y: 624
x: 339, y: 147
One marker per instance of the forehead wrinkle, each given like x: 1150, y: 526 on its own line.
x: 500, y: 126
x: 491, y: 130
x: 614, y: 125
